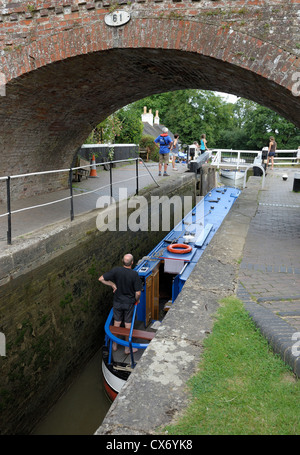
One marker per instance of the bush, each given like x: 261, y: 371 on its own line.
x: 147, y: 141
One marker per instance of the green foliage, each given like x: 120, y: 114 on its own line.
x: 147, y: 142
x: 243, y: 125
x: 106, y: 132
x: 24, y: 328
x: 132, y: 126
x: 259, y: 123
x: 68, y: 299
x: 123, y: 127
x: 30, y: 8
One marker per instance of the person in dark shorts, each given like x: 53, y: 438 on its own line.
x: 272, y: 151
x: 126, y: 285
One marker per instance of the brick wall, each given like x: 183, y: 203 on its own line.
x: 66, y: 70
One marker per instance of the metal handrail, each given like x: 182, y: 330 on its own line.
x: 130, y: 337
x: 10, y: 212
x: 260, y: 167
x: 217, y: 158
x: 112, y: 338
x: 217, y: 161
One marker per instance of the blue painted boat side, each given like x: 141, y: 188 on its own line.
x: 210, y: 211
x: 206, y: 217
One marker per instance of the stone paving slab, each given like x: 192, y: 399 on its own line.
x: 160, y: 392
x: 192, y: 305
x: 269, y: 274
x: 270, y: 268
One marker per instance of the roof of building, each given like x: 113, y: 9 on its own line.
x: 153, y: 128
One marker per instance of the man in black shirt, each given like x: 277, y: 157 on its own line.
x: 126, y: 285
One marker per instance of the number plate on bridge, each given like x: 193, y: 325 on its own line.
x: 117, y: 18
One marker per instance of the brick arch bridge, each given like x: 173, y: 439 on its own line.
x: 66, y: 70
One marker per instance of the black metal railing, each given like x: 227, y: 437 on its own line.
x: 9, y: 212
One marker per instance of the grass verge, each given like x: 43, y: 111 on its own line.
x: 242, y: 387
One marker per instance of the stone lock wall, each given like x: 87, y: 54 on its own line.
x: 53, y: 318
x: 66, y: 70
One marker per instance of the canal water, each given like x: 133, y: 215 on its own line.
x: 82, y: 408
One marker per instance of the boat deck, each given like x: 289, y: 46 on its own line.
x: 119, y: 355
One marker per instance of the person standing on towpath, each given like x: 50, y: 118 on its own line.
x: 203, y: 146
x: 164, y: 142
x: 175, y: 151
x: 272, y: 151
x: 127, y: 286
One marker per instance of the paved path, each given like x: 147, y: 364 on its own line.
x: 270, y: 269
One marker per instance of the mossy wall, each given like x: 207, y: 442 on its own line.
x: 53, y: 317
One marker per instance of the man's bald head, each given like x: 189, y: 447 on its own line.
x: 128, y: 260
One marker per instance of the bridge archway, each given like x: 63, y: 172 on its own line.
x: 61, y: 85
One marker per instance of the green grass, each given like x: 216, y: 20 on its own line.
x: 241, y: 388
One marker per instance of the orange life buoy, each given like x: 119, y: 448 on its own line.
x: 179, y: 248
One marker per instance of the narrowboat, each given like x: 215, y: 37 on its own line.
x: 163, y: 273
x: 233, y: 174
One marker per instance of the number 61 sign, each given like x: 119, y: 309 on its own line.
x: 117, y: 18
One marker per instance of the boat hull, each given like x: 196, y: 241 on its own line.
x: 113, y: 379
x: 112, y: 383
x: 232, y: 174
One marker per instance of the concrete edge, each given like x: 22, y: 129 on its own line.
x: 279, y: 334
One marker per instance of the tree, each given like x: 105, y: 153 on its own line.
x: 122, y: 127
x: 243, y: 125
x: 258, y: 123
x: 106, y: 132
x: 132, y: 126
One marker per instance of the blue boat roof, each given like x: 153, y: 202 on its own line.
x: 196, y: 230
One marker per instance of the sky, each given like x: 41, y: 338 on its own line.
x: 227, y: 97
